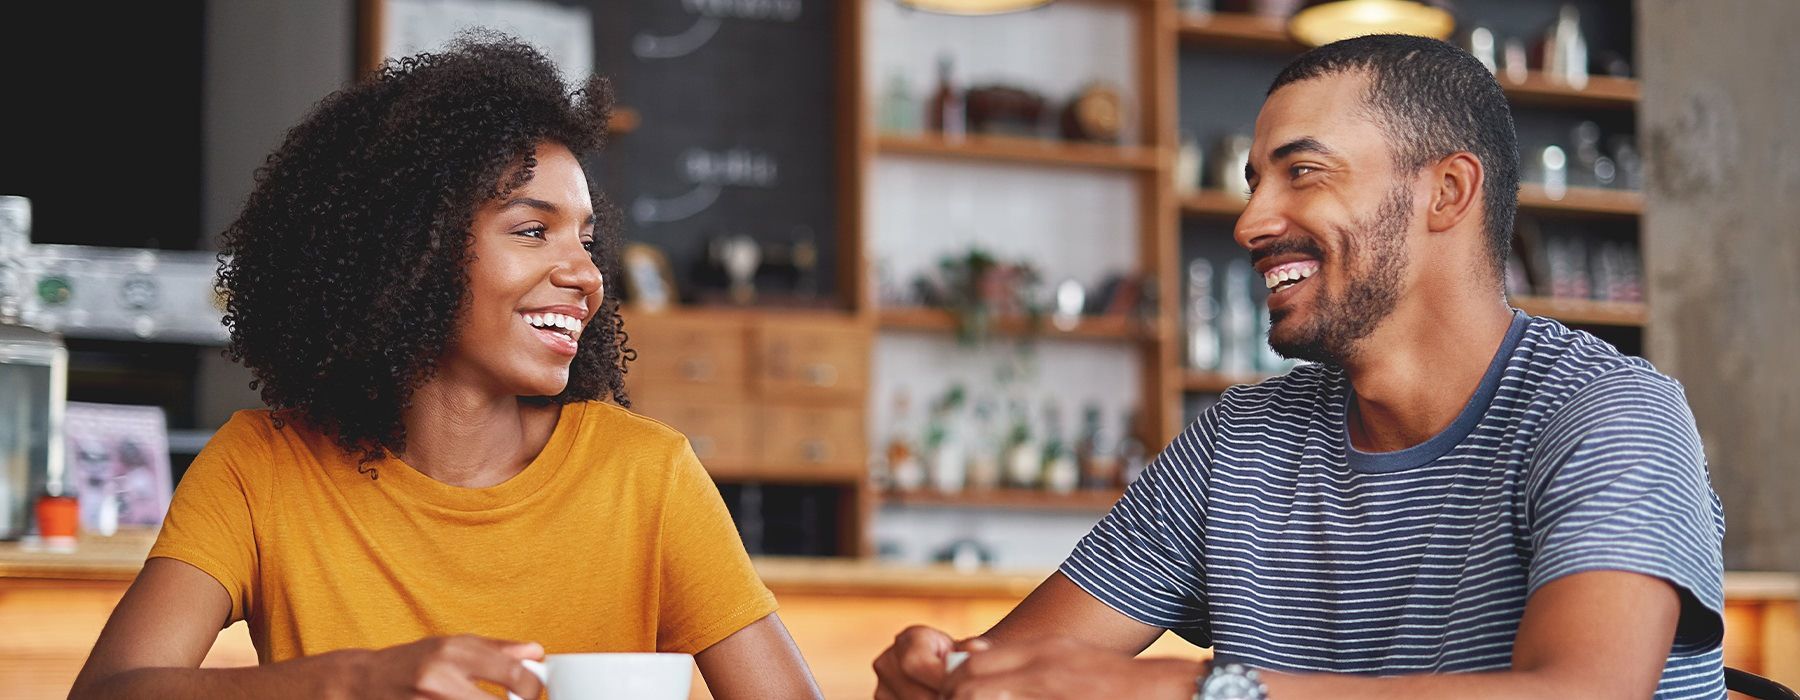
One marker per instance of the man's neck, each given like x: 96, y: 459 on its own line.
x: 465, y: 436
x: 1417, y: 371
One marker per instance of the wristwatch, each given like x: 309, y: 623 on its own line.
x: 1232, y: 682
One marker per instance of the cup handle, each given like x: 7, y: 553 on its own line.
x: 538, y: 669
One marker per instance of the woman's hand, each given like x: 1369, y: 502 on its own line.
x: 441, y: 668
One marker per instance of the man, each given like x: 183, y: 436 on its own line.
x: 1455, y: 500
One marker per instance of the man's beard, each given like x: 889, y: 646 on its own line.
x: 1339, y: 323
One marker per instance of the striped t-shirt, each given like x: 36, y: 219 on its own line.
x: 1261, y: 532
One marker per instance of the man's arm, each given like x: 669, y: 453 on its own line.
x: 1059, y: 607
x: 1598, y: 634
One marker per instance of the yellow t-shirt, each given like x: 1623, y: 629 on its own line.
x: 612, y: 539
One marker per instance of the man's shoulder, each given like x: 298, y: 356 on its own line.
x: 1560, y: 369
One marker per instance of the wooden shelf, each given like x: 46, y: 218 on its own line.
x: 1584, y: 312
x: 1586, y: 201
x: 1020, y: 150
x: 1218, y: 203
x: 1216, y: 382
x: 1236, y: 30
x: 940, y: 321
x: 1601, y: 91
x: 1580, y: 201
x: 1240, y: 31
x: 1085, y: 500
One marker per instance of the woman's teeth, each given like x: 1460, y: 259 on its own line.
x: 567, y: 325
x: 1289, y: 274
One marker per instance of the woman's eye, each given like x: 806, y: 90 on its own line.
x: 537, y: 232
x: 587, y: 244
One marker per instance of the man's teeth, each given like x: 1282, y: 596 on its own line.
x: 1289, y: 273
x: 567, y: 324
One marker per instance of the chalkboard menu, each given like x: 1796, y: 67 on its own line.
x: 737, y: 132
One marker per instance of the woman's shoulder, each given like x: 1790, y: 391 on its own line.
x: 623, y: 426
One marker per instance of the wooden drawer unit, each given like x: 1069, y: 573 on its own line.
x: 811, y: 359
x: 798, y: 443
x: 720, y: 432
x: 700, y: 357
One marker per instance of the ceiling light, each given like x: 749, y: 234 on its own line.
x: 1325, y: 21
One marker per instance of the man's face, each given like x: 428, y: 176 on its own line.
x: 1328, y: 222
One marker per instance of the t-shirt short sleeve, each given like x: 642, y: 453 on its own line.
x: 209, y: 523
x: 1144, y: 558
x: 708, y: 588
x: 1619, y: 483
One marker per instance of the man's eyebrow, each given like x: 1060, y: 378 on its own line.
x: 1304, y: 144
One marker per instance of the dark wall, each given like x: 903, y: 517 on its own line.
x: 102, y: 125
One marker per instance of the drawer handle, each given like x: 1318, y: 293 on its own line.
x: 696, y: 370
x: 703, y: 445
x: 814, y: 451
x: 821, y: 375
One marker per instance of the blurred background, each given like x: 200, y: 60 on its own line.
x: 925, y: 290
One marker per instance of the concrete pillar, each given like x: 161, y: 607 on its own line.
x: 1720, y: 127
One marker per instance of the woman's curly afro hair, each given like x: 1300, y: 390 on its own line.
x: 345, y: 275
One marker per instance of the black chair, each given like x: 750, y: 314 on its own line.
x: 1757, y: 686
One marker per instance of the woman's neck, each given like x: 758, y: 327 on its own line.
x: 466, y: 437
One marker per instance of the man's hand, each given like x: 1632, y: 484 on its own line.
x: 1064, y: 668
x: 913, y: 668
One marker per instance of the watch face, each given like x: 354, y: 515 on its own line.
x: 1233, y: 682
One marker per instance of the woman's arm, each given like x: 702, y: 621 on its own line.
x: 169, y: 618
x: 759, y: 661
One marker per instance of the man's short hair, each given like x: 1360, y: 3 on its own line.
x: 1432, y: 99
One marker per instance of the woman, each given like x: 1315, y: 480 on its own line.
x: 438, y: 491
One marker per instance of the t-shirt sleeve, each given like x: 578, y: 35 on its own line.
x: 1619, y: 483
x: 1145, y: 558
x: 209, y: 524
x: 708, y: 588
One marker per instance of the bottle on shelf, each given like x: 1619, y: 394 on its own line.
x: 1202, y: 317
x: 905, y: 473
x: 1133, y: 457
x: 947, y: 114
x: 1062, y: 474
x: 1097, y: 451
x: 1237, y: 320
x: 985, y: 471
x: 1024, y: 463
x: 899, y: 109
x: 944, y: 443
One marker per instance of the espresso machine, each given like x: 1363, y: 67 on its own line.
x: 55, y: 296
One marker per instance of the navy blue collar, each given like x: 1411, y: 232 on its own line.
x: 1439, y: 445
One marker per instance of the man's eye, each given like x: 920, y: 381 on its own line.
x: 1299, y: 170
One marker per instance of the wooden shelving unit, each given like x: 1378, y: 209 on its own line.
x: 1085, y: 500
x: 1216, y: 382
x: 1239, y: 32
x: 1577, y: 201
x: 1229, y: 30
x: 1584, y: 312
x: 1582, y: 201
x: 1020, y: 150
x: 1089, y: 327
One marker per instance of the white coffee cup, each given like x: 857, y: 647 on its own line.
x: 614, y: 676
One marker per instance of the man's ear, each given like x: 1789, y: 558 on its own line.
x: 1456, y: 182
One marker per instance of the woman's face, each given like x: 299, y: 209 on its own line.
x: 533, y: 286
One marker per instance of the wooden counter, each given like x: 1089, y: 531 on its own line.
x: 842, y: 612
